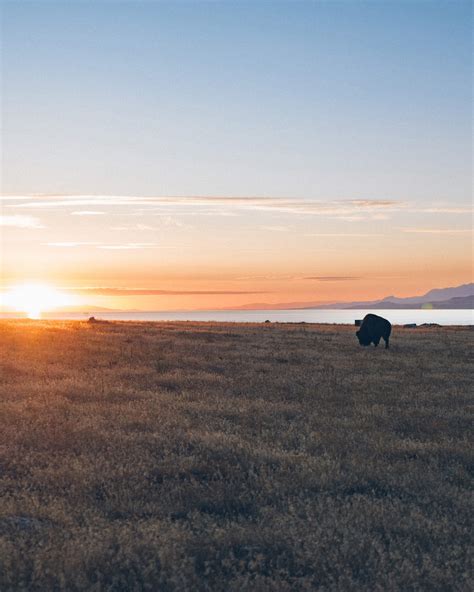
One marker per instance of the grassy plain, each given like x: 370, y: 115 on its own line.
x: 195, y: 456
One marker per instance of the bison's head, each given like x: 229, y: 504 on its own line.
x: 363, y: 339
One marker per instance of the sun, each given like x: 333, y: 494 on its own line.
x: 33, y: 299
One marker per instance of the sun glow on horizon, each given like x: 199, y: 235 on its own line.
x: 33, y: 299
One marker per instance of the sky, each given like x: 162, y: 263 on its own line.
x: 170, y: 155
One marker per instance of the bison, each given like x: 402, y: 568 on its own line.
x: 372, y: 329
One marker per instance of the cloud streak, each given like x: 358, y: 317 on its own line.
x: 276, y: 204
x: 106, y: 291
x: 20, y: 221
x: 215, y: 205
x: 71, y: 244
x: 342, y: 234
x: 446, y: 210
x: 333, y: 278
x: 437, y: 230
x: 106, y: 246
x: 129, y: 246
x: 161, y: 221
x: 275, y: 228
x: 87, y: 213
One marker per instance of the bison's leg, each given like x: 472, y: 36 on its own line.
x: 376, y: 341
x: 386, y: 342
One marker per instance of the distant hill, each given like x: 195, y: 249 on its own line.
x: 436, y: 295
x: 457, y: 297
x: 461, y: 302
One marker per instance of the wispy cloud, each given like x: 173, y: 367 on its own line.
x: 87, y: 213
x: 159, y: 222
x: 342, y: 234
x: 211, y: 213
x: 214, y: 205
x: 275, y: 204
x: 332, y: 278
x: 275, y: 228
x: 5, y: 198
x: 437, y: 230
x: 446, y: 210
x: 353, y: 218
x: 71, y: 244
x: 141, y: 227
x: 269, y: 277
x: 107, y: 246
x: 129, y: 246
x: 107, y: 291
x: 20, y: 221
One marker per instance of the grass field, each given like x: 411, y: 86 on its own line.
x: 187, y: 456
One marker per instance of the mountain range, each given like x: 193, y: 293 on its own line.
x: 457, y: 297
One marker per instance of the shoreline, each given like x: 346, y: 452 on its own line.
x: 267, y: 323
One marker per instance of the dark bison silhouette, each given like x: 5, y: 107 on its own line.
x: 372, y: 329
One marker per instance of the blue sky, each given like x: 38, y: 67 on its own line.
x: 240, y: 147
x: 306, y: 99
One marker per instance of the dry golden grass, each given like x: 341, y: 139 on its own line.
x: 187, y: 456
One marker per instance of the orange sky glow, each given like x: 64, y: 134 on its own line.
x: 204, y: 155
x: 164, y: 254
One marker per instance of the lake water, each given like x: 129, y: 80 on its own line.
x: 396, y: 317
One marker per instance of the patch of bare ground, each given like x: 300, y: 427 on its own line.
x: 187, y: 456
